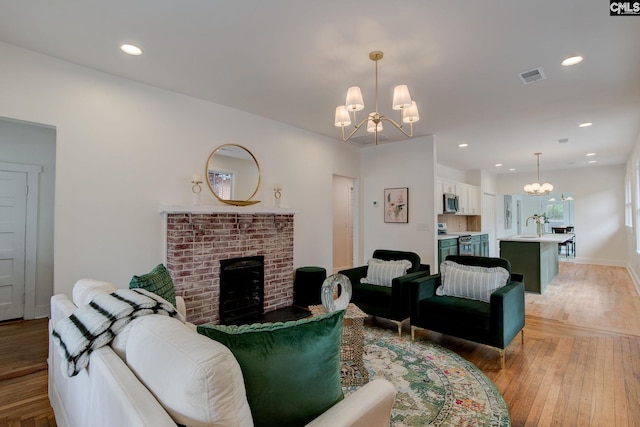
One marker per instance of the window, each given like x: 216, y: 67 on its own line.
x: 636, y: 202
x: 222, y: 183
x: 555, y: 212
x: 628, y: 207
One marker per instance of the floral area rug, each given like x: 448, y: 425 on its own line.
x: 436, y: 387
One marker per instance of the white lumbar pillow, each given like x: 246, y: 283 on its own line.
x: 471, y: 282
x: 382, y: 273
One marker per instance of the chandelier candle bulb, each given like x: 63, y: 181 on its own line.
x: 401, y: 97
x: 342, y: 116
x: 410, y: 115
x: 354, y: 99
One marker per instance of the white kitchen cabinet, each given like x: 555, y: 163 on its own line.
x: 473, y: 200
x: 468, y: 196
x: 462, y: 191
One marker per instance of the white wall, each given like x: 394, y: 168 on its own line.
x: 409, y: 163
x: 123, y: 149
x: 29, y: 144
x: 599, y: 209
x: 633, y: 253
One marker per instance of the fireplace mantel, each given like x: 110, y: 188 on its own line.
x: 207, y: 209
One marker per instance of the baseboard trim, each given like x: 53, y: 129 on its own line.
x: 634, y: 278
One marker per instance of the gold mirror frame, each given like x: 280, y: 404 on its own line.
x: 246, y: 202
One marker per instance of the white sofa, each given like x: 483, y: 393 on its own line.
x: 160, y: 372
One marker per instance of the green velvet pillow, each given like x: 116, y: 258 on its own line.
x: 157, y: 281
x: 291, y: 370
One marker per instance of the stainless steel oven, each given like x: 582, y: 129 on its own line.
x: 464, y: 245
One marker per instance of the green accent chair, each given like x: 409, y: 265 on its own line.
x: 393, y: 302
x: 495, y: 323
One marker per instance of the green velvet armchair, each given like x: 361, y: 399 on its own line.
x: 495, y: 323
x: 392, y: 302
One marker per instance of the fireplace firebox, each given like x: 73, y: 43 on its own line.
x: 241, y: 290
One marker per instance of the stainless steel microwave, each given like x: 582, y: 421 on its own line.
x: 450, y: 203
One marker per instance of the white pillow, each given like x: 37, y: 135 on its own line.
x: 471, y: 282
x: 382, y: 272
x: 197, y: 380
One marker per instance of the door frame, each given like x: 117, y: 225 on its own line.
x: 31, y: 232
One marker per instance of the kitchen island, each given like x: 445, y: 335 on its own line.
x: 535, y: 257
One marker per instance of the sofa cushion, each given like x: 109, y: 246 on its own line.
x: 382, y: 273
x: 157, y: 281
x: 471, y: 282
x: 196, y: 380
x: 291, y: 370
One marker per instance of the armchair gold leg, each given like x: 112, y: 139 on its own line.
x: 501, y: 351
x: 522, y: 336
x: 413, y: 332
x: 399, y: 324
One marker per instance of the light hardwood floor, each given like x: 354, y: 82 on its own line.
x: 579, y: 364
x: 580, y: 361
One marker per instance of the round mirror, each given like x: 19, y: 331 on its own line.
x: 233, y: 175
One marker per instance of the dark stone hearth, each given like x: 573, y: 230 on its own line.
x: 285, y: 314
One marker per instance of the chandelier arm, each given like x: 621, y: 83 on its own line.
x: 356, y: 128
x: 376, y: 61
x: 397, y: 126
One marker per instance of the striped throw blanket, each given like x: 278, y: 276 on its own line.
x: 93, y: 325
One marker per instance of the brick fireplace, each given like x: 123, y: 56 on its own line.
x: 197, y: 241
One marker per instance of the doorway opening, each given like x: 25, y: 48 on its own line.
x: 26, y: 218
x: 344, y: 207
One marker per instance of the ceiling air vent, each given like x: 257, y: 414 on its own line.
x: 563, y: 141
x: 369, y: 139
x: 532, y: 76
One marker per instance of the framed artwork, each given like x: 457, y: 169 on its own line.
x: 508, y: 211
x: 396, y: 205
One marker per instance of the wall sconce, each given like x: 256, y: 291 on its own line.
x: 196, y: 189
x: 277, y: 194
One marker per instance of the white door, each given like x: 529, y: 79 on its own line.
x: 342, y: 223
x: 13, y: 209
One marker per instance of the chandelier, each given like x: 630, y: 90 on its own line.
x: 535, y: 189
x: 401, y: 101
x: 562, y: 198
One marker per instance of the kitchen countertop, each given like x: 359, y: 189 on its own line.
x: 455, y: 235
x: 546, y: 238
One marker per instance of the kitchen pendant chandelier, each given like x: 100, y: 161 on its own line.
x: 401, y: 101
x: 562, y: 198
x: 535, y: 189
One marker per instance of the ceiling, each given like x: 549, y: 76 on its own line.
x: 292, y: 61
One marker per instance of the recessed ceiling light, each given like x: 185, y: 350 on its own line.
x: 572, y: 61
x: 593, y: 161
x: 591, y: 154
x: 463, y: 145
x: 131, y: 49
x: 498, y: 165
x: 585, y: 125
x: 511, y: 169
